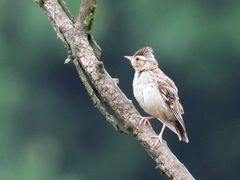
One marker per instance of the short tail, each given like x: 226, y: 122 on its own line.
x: 181, y: 132
x: 179, y: 129
x: 184, y: 138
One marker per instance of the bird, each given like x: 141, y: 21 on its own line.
x: 157, y: 94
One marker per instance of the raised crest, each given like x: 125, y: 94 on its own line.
x: 144, y: 51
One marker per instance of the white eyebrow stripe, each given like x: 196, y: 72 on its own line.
x: 142, y: 58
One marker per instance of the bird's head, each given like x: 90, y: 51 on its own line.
x: 143, y: 59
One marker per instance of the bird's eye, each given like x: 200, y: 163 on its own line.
x: 137, y: 58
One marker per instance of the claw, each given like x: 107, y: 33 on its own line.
x: 145, y: 120
x: 159, y: 138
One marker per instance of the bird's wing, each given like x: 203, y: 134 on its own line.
x: 169, y: 92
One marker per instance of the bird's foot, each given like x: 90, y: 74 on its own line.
x: 145, y: 120
x: 159, y: 140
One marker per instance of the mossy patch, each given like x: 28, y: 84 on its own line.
x: 87, y: 24
x: 39, y: 2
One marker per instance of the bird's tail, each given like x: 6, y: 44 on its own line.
x: 181, y: 132
x: 179, y: 129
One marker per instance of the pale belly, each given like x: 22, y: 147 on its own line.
x: 148, y: 96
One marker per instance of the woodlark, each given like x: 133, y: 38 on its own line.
x: 157, y: 94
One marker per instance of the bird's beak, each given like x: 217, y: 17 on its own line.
x: 128, y: 57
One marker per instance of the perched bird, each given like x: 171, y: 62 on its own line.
x: 157, y: 94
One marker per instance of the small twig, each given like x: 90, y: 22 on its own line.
x: 66, y: 10
x: 96, y: 101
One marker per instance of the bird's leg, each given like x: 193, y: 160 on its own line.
x: 159, y: 137
x: 145, y: 120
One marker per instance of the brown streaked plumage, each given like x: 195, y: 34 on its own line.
x: 143, y: 52
x: 156, y: 93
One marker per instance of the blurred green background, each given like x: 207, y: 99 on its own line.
x: 49, y: 128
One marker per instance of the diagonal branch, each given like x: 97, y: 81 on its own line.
x: 108, y: 97
x: 86, y: 15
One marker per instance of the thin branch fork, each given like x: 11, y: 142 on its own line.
x: 106, y: 95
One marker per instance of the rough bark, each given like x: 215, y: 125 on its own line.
x: 104, y: 91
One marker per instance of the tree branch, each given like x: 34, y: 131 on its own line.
x: 103, y: 89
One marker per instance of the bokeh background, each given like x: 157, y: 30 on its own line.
x: 49, y: 128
